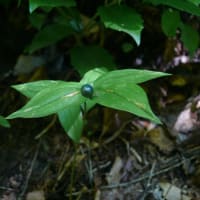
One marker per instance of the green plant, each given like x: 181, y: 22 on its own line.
x: 117, y: 89
x: 4, y: 122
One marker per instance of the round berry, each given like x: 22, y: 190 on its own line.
x: 87, y: 91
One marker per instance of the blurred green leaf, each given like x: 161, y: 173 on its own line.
x: 122, y: 18
x: 4, y: 122
x: 32, y: 88
x: 127, y: 47
x: 49, y: 35
x: 183, y: 5
x: 190, y: 37
x: 196, y: 2
x: 50, y: 100
x: 85, y: 58
x: 34, y: 4
x: 131, y: 98
x: 170, y: 22
x: 37, y: 19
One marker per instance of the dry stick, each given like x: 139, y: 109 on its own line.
x: 164, y: 170
x: 73, y: 172
x: 151, y: 174
x: 30, y: 172
x: 46, y: 128
x: 6, y: 188
x: 190, y: 154
x: 88, y: 164
x: 147, y: 176
x: 143, y: 177
x: 116, y: 133
x: 139, y: 179
x: 144, y: 194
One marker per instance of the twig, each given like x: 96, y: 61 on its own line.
x: 88, y: 164
x: 170, y: 166
x: 190, y: 154
x: 117, y: 133
x: 6, y: 188
x: 46, y: 128
x: 148, y: 184
x: 151, y: 173
x: 30, y: 172
x: 126, y: 184
x: 72, y: 175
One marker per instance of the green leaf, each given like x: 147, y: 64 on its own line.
x: 84, y: 58
x: 34, y: 4
x: 32, y: 88
x: 72, y: 121
x: 4, y: 122
x: 72, y: 17
x: 190, y: 37
x: 50, y: 100
x: 127, y: 47
x: 131, y: 98
x: 92, y: 75
x: 170, y: 22
x: 182, y: 5
x: 126, y: 77
x: 49, y: 35
x: 195, y: 2
x: 37, y: 19
x: 122, y: 18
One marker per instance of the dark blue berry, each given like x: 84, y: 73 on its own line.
x: 87, y: 91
